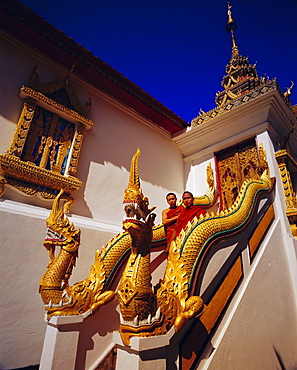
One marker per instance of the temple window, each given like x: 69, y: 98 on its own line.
x: 43, y: 156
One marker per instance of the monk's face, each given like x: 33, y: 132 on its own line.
x: 171, y: 200
x: 188, y: 200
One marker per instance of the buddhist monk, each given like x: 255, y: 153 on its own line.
x: 189, y: 211
x: 170, y: 216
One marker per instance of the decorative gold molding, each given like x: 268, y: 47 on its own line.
x: 23, y: 127
x: 282, y: 155
x: 53, y: 106
x: 30, y: 179
x: 235, y: 103
x: 77, y: 142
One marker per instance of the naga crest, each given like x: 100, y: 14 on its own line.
x: 135, y: 203
x: 60, y: 232
x: 58, y: 296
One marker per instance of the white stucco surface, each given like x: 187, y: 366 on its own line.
x: 104, y: 167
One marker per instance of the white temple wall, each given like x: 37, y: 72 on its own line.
x: 105, y: 163
x: 107, y: 148
x: 280, y: 206
x: 196, y: 176
x: 104, y: 170
x: 23, y: 262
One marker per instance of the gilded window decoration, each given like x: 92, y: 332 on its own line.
x: 43, y: 156
x: 235, y: 165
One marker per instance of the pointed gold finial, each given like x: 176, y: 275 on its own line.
x: 69, y: 73
x: 230, y: 27
x: 230, y: 19
x: 134, y: 175
x: 133, y: 192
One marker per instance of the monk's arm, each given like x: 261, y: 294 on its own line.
x: 165, y: 219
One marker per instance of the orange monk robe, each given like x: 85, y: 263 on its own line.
x: 187, y: 215
x: 169, y: 228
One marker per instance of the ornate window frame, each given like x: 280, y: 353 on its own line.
x: 32, y: 178
x: 236, y: 164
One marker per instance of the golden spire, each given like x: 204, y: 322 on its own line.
x: 133, y: 192
x: 241, y: 76
x: 134, y: 175
x: 230, y: 27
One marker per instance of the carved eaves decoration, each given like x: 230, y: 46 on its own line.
x: 266, y: 87
x: 69, y: 50
x: 287, y: 165
x: 44, y: 153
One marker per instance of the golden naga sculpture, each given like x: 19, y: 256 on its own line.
x: 145, y: 310
x: 60, y: 298
x: 135, y: 294
x: 142, y: 312
x: 175, y: 300
x: 187, y: 249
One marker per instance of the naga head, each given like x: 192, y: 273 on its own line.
x: 60, y: 232
x: 135, y: 203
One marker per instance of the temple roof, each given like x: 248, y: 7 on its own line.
x: 241, y: 77
x: 241, y: 82
x: 32, y: 30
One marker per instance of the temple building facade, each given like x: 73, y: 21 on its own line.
x: 86, y: 160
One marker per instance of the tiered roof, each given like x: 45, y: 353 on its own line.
x: 241, y: 76
x: 241, y: 82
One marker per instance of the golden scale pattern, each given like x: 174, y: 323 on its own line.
x: 117, y: 246
x: 192, y: 239
x: 172, y: 296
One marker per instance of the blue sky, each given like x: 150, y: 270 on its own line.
x: 177, y: 51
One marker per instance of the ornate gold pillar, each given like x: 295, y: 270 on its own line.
x: 286, y: 165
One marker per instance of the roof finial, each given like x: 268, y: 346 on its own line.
x: 230, y: 27
x: 69, y: 73
x: 289, y: 90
